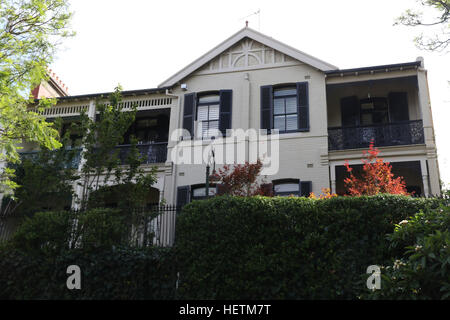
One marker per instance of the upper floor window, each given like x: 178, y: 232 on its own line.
x: 208, y: 116
x: 285, y: 108
x: 285, y: 115
x: 374, y: 111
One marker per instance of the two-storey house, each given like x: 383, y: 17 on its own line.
x: 324, y: 115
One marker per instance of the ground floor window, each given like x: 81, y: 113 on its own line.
x: 292, y: 187
x: 199, y: 192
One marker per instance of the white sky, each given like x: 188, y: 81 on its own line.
x: 140, y: 43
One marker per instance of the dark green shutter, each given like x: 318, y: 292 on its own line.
x: 266, y: 107
x: 189, y: 112
x: 305, y: 188
x: 267, y: 189
x: 221, y: 189
x: 183, y: 195
x: 303, y: 106
x: 398, y: 106
x: 350, y: 111
x: 225, y: 108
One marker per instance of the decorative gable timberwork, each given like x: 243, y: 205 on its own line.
x: 245, y: 54
x: 247, y: 49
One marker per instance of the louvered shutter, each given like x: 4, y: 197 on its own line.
x: 266, y: 107
x: 226, y: 99
x: 350, y: 111
x: 267, y: 189
x: 303, y: 106
x: 398, y: 106
x: 189, y: 112
x: 305, y: 188
x: 183, y: 195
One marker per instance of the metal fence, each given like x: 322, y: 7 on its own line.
x: 144, y: 227
x: 392, y: 134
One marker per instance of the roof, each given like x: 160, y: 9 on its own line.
x: 255, y: 35
x: 106, y: 94
x: 391, y: 67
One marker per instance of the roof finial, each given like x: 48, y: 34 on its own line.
x: 246, y: 24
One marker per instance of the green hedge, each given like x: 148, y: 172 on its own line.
x: 120, y: 273
x: 420, y: 267
x: 34, y: 261
x: 286, y: 248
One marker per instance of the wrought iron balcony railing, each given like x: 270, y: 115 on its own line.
x: 155, y: 152
x: 71, y: 160
x: 391, y: 134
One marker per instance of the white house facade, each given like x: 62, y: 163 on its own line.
x: 324, y: 115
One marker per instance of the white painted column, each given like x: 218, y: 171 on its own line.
x: 425, y: 107
x: 424, y: 170
x: 333, y: 178
x: 79, y: 188
x: 170, y: 185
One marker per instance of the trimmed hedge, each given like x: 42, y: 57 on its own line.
x: 420, y: 267
x: 286, y: 248
x: 121, y: 273
x: 34, y: 261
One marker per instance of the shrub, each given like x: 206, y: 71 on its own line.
x: 120, y: 273
x: 420, y: 267
x: 285, y: 248
x: 58, y: 230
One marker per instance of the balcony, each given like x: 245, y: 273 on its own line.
x: 72, y: 162
x: 391, y: 134
x: 155, y: 152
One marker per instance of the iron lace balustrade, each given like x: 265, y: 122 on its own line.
x: 155, y: 152
x: 390, y: 134
x: 71, y: 163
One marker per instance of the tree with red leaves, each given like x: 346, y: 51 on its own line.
x: 376, y: 177
x: 242, y: 180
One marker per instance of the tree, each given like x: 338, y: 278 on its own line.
x: 412, y: 18
x: 104, y: 163
x: 45, y: 180
x: 376, y: 177
x: 242, y: 180
x: 30, y: 32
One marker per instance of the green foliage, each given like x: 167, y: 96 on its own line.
x: 29, y: 34
x: 118, y: 273
x: 55, y: 231
x: 102, y: 157
x: 420, y: 268
x: 440, y: 40
x: 46, y: 181
x: 43, y: 232
x: 286, y: 248
x: 33, y: 263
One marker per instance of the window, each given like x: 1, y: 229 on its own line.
x: 74, y: 133
x: 199, y: 193
x: 285, y: 116
x: 295, y: 187
x: 287, y: 189
x: 148, y: 129
x: 285, y: 107
x: 208, y: 116
x: 374, y: 111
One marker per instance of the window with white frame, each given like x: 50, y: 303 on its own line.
x: 208, y: 116
x: 285, y: 113
x: 199, y: 193
x: 287, y: 189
